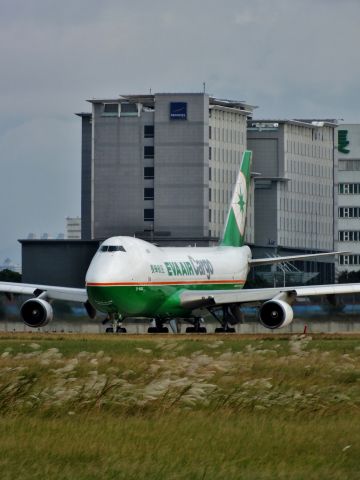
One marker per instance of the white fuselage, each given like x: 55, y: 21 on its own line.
x: 142, y: 262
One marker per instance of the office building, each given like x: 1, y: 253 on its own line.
x: 161, y: 166
x: 347, y: 196
x: 294, y: 189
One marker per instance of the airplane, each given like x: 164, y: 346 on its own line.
x: 131, y: 278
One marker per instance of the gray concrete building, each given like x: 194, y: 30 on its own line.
x: 161, y: 166
x: 347, y: 196
x: 294, y: 191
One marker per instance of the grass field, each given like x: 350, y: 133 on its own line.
x: 179, y: 407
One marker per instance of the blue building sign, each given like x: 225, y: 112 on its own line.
x: 178, y: 111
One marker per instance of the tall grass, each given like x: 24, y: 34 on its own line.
x: 263, y: 376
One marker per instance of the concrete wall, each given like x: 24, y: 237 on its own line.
x: 181, y: 166
x: 118, y: 166
x: 228, y: 142
x: 86, y: 177
x: 297, y: 327
x: 56, y: 262
x: 266, y: 213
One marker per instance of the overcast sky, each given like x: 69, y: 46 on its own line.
x: 292, y: 58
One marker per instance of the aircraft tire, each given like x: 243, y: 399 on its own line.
x: 158, y: 330
x: 109, y: 330
x: 196, y: 330
x: 121, y: 330
x: 223, y: 330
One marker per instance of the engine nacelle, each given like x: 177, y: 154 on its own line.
x: 275, y: 314
x: 36, y: 312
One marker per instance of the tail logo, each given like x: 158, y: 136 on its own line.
x: 239, y: 203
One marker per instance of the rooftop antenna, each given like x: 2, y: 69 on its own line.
x: 150, y: 90
x: 204, y: 87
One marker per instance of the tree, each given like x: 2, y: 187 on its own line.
x: 10, y: 276
x: 349, y: 277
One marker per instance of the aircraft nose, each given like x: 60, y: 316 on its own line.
x: 95, y: 272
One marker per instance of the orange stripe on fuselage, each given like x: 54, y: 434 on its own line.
x: 197, y: 282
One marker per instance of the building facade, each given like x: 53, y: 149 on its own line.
x: 294, y: 189
x: 347, y: 196
x: 161, y: 166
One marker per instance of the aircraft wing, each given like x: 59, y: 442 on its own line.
x: 254, y: 262
x: 51, y: 292
x: 207, y: 298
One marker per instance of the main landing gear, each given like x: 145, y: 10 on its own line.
x: 196, y: 328
x: 116, y: 321
x: 230, y: 315
x: 158, y: 326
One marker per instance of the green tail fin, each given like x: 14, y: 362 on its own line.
x: 234, y: 230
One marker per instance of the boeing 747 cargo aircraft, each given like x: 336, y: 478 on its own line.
x: 130, y: 278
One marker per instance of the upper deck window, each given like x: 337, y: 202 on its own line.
x: 112, y: 248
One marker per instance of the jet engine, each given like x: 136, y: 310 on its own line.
x: 36, y: 312
x: 275, y: 314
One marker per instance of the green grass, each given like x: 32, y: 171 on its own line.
x: 174, y: 446
x: 179, y: 407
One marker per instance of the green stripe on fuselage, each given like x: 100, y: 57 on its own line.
x: 147, y: 300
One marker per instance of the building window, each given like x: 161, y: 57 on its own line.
x: 210, y: 153
x: 148, y: 131
x: 349, y: 236
x: 148, y: 173
x: 148, y: 214
x: 209, y: 173
x: 111, y: 109
x: 349, y: 260
x: 148, y: 194
x: 209, y: 214
x: 349, y: 165
x: 349, y: 212
x: 209, y: 131
x: 129, y: 109
x: 349, y: 188
x: 148, y: 152
x: 209, y: 194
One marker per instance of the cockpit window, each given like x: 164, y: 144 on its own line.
x: 112, y: 248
